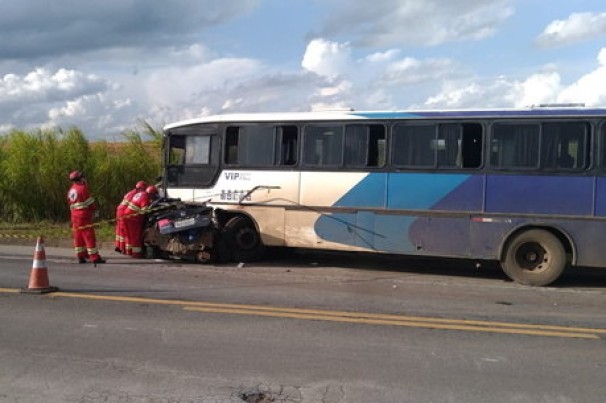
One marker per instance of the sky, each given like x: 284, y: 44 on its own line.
x: 106, y: 66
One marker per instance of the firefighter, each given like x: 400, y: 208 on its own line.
x: 152, y: 193
x: 82, y: 206
x: 120, y: 242
x: 134, y: 220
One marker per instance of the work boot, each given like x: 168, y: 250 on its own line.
x: 98, y: 261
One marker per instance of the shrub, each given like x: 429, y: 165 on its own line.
x: 34, y: 169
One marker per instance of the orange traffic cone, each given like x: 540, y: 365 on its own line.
x: 38, y: 278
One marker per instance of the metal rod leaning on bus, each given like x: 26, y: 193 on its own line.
x: 349, y: 225
x: 254, y: 189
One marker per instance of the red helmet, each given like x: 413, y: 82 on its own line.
x: 140, y: 185
x: 152, y: 190
x: 75, y: 175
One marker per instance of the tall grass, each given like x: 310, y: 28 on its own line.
x: 34, y: 169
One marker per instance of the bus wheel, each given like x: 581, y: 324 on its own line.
x: 534, y: 257
x: 243, y: 240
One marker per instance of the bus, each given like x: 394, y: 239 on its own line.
x: 525, y: 187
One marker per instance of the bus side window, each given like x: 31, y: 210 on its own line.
x: 414, y: 145
x: 323, y: 146
x: 288, y: 145
x: 363, y: 146
x: 460, y: 145
x: 376, y: 146
x: 515, y: 145
x: 356, y: 146
x: 175, y: 159
x: 472, y: 145
x: 449, y: 146
x: 251, y: 146
x: 564, y: 145
x: 176, y: 150
x: 231, y: 145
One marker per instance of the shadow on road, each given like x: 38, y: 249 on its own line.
x: 303, y: 258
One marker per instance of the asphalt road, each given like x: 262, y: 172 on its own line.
x: 298, y: 327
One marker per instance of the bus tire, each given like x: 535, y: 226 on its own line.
x: 243, y: 240
x: 534, y: 257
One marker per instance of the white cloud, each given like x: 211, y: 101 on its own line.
x: 414, y: 22
x: 589, y: 89
x: 542, y: 87
x: 539, y: 88
x: 377, y: 80
x: 42, y: 85
x: 327, y: 58
x: 71, y: 109
x: 382, y: 57
x: 472, y: 94
x: 332, y: 62
x: 95, y: 113
x: 41, y: 96
x: 180, y: 92
x: 172, y: 84
x: 412, y: 71
x: 6, y: 128
x: 578, y: 27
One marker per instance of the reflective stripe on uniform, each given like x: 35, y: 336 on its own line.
x: 134, y: 207
x: 82, y: 205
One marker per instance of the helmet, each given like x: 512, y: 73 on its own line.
x: 140, y: 185
x: 75, y: 175
x: 152, y: 190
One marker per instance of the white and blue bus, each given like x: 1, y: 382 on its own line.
x: 525, y: 187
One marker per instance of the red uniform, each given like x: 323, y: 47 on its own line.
x: 121, y: 235
x: 134, y: 219
x: 82, y: 205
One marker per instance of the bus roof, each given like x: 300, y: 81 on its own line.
x: 329, y: 115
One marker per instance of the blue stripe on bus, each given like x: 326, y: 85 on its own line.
x: 452, y: 236
x: 422, y: 191
x: 540, y: 194
x: 600, y: 209
x: 412, y: 191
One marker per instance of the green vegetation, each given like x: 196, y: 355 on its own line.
x: 34, y: 169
